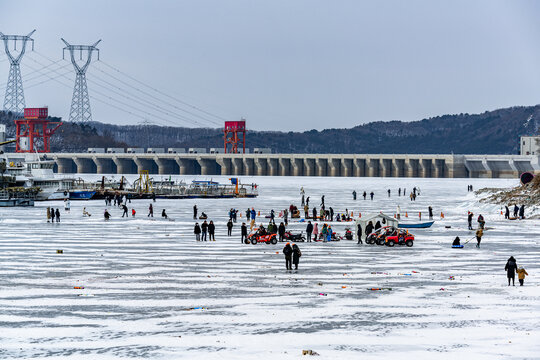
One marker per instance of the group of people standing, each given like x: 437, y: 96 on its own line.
x: 201, y: 231
x: 53, y: 214
x: 292, y: 256
x: 519, y: 212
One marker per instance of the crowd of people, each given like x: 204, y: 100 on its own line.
x: 206, y: 230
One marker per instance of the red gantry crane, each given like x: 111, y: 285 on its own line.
x: 33, y: 133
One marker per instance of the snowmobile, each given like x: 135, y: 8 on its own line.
x: 348, y: 234
x: 288, y: 236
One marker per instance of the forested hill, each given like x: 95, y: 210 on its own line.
x: 493, y: 132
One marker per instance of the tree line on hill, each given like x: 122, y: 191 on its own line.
x: 492, y: 132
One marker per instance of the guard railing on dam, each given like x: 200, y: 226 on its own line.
x: 353, y: 165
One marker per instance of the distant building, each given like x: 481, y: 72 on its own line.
x: 529, y: 145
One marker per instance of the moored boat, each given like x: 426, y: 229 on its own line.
x: 422, y: 225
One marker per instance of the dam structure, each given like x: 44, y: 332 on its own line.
x: 345, y: 165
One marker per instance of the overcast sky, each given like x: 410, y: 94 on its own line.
x: 283, y: 65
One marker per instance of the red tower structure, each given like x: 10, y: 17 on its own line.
x: 34, y: 131
x: 231, y: 135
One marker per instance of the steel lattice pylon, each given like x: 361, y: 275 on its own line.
x: 80, y: 104
x: 14, y: 99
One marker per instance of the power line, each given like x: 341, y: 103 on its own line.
x: 138, y: 99
x: 157, y: 98
x: 117, y: 101
x: 153, y: 104
x: 162, y: 93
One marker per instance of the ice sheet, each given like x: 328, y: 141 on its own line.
x: 142, y: 278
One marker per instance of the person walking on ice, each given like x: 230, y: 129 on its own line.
x: 479, y: 234
x: 125, y: 213
x: 521, y: 275
x: 211, y: 231
x: 229, y: 227
x: 510, y: 268
x: 204, y: 229
x: 150, y: 211
x: 296, y: 256
x: 287, y: 251
x: 243, y: 233
x: 309, y: 230
x: 197, y: 232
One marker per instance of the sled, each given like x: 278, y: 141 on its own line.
x: 457, y: 246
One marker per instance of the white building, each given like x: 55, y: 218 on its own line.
x: 529, y: 145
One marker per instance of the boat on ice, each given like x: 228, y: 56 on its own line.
x: 420, y: 225
x: 39, y: 173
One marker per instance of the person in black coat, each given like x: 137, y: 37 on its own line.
x: 287, y: 251
x: 194, y: 212
x: 522, y: 212
x: 281, y: 231
x: 229, y: 227
x: 378, y: 225
x: 430, y: 212
x: 516, y: 210
x: 506, y: 212
x: 53, y: 214
x: 124, y: 207
x: 314, y: 214
x: 211, y: 231
x: 296, y: 256
x: 243, y: 233
x: 511, y: 268
x: 469, y: 220
x: 359, y: 233
x: 364, y: 195
x: 457, y: 241
x: 197, y: 232
x: 204, y: 230
x: 371, y: 195
x: 369, y: 228
x: 309, y: 230
x: 57, y: 215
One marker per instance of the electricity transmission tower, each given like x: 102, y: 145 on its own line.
x: 14, y: 100
x: 80, y: 103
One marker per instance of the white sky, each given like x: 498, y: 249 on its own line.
x: 284, y: 64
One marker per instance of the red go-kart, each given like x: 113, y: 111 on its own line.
x: 260, y: 237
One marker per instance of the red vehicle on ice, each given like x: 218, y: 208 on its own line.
x: 400, y: 237
x: 261, y: 236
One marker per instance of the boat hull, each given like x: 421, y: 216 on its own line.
x: 72, y: 195
x: 417, y: 225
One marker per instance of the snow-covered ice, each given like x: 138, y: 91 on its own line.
x: 143, y: 277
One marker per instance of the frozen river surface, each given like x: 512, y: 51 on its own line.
x: 152, y: 291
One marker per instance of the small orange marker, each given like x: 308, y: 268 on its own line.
x: 78, y: 287
x: 343, y: 287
